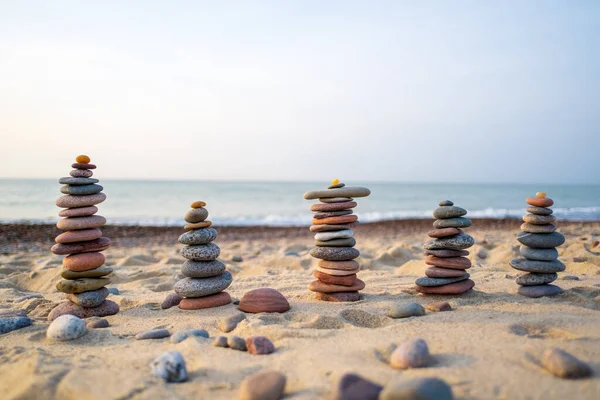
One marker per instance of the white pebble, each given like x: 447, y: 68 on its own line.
x: 66, y: 327
x: 170, y: 366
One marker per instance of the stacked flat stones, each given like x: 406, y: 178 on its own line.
x: 206, y: 277
x: 539, y: 240
x: 82, y: 242
x: 446, y: 253
x: 332, y: 222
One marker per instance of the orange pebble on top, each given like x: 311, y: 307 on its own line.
x: 540, y: 195
x: 198, y: 204
x: 335, y: 181
x: 83, y: 159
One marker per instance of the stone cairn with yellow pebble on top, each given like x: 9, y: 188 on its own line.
x: 83, y: 273
x: 206, y: 277
x: 539, y: 240
x: 334, y: 241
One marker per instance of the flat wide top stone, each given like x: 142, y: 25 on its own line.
x: 346, y: 191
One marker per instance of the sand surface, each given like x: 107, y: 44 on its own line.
x: 486, y: 348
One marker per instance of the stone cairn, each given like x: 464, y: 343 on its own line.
x: 332, y: 222
x: 83, y: 271
x: 539, y: 240
x: 206, y: 277
x: 446, y: 253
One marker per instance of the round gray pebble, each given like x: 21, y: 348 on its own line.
x: 405, y: 310
x: 195, y: 287
x: 220, y: 341
x: 236, y: 343
x: 196, y: 215
x: 93, y: 298
x: 170, y: 366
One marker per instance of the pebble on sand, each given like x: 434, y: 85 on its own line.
x: 236, y: 343
x: 66, y: 327
x: 172, y: 300
x: 153, y: 334
x: 259, y: 345
x: 410, y: 354
x: 263, y: 385
x: 13, y: 322
x: 180, y: 336
x: 355, y: 387
x: 227, y: 324
x: 220, y: 341
x: 439, y: 306
x: 97, y: 323
x: 405, y: 310
x: 264, y: 300
x: 170, y: 366
x: 418, y: 389
x: 564, y: 365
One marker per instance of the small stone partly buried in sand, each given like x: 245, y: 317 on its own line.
x: 228, y: 324
x: 418, y: 389
x: 570, y: 278
x: 564, y: 365
x: 410, y: 354
x: 237, y: 259
x: 439, y: 306
x: 114, y: 291
x: 405, y: 310
x: 172, y: 300
x: 236, y: 343
x: 355, y: 387
x: 263, y: 385
x: 259, y: 345
x: 153, y: 334
x: 14, y: 322
x: 66, y: 327
x: 97, y: 323
x: 180, y: 336
x: 170, y: 366
x: 220, y: 341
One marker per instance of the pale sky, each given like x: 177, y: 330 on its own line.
x: 416, y: 91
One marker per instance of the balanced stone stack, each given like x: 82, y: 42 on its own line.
x: 84, y: 275
x: 539, y: 240
x: 446, y: 253
x: 206, y: 277
x: 332, y: 222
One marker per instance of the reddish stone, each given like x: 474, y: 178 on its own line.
x: 349, y: 265
x: 264, y: 300
x: 450, y: 262
x: 106, y: 308
x: 343, y: 219
x: 440, y: 233
x: 338, y: 296
x: 537, y: 202
x: 436, y: 272
x: 439, y: 306
x: 346, y: 280
x: 317, y: 286
x: 259, y: 345
x: 330, y: 227
x: 198, y: 303
x: 100, y: 244
x: 78, y: 223
x: 83, y: 166
x: 452, y: 288
x: 83, y: 261
x: 79, y: 236
x: 78, y: 212
x: 333, y: 206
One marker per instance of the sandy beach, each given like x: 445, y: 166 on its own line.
x: 487, y: 347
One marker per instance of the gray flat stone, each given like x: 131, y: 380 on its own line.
x: 426, y: 281
x: 342, y: 192
x: 81, y: 189
x: 458, y: 222
x: 89, y: 299
x: 447, y: 253
x: 196, y: 215
x: 532, y: 279
x: 335, y: 253
x: 418, y: 389
x: 539, y: 210
x: 446, y: 212
x: 180, y: 336
x: 202, y: 269
x: 458, y: 242
x: 538, y: 254
x: 541, y: 240
x: 348, y: 242
x: 198, y: 236
x: 201, y: 252
x: 153, y: 334
x: 9, y: 324
x: 406, y: 310
x: 539, y: 291
x: 544, y: 267
x: 200, y: 287
x: 77, y: 181
x: 445, y: 203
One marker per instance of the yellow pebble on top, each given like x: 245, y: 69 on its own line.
x: 335, y: 181
x: 83, y: 159
x: 198, y: 204
x: 540, y: 195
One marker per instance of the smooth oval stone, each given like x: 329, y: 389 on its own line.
x: 539, y: 291
x: 458, y: 242
x: 344, y: 280
x: 89, y: 299
x: 263, y: 300
x: 329, y: 227
x: 338, y: 297
x: 263, y: 385
x: 539, y: 219
x: 236, y: 343
x: 199, y: 303
x: 458, y: 222
x: 77, y: 223
x: 197, y: 225
x: 440, y: 233
x: 82, y: 285
x: 343, y: 219
x: 539, y: 202
x: 170, y: 367
x: 328, y: 214
x: 202, y: 269
x: 153, y: 334
x: 198, y: 204
x: 445, y: 203
x: 66, y: 327
x: 325, y: 236
x: 333, y: 206
x: 318, y: 286
x: 418, y: 389
x: 79, y: 235
x: 406, y: 310
x: 460, y: 263
x: 538, y: 254
x: 92, y: 273
x: 198, y: 236
x: 79, y: 165
x: 334, y: 253
x: 337, y: 272
x: 220, y: 341
x: 259, y: 345
x: 196, y: 215
x: 81, y: 190
x: 531, y: 228
x: 355, y: 387
x: 172, y: 300
x: 13, y: 322
x: 336, y: 186
x: 445, y: 212
x: 227, y: 324
x: 190, y: 287
x: 348, y: 242
x: 180, y: 336
x: 544, y: 267
x: 69, y: 201
x: 564, y: 365
x: 201, y: 252
x: 78, y: 212
x: 81, y: 173
x: 77, y: 182
x: 439, y: 306
x: 532, y: 279
x: 97, y: 323
x: 331, y: 200
x: 541, y: 240
x: 410, y: 354
x: 83, y: 261
x: 430, y: 282
x: 342, y: 192
x: 446, y: 253
x: 107, y: 307
x: 100, y: 244
x: 453, y: 288
x: 349, y: 265
x: 436, y: 272
x: 539, y: 210
x: 82, y: 158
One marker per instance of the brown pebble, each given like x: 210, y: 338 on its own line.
x: 338, y: 297
x: 199, y: 303
x: 199, y: 225
x: 343, y: 219
x: 83, y: 165
x: 264, y: 300
x: 452, y: 288
x: 444, y: 232
x: 172, y: 300
x: 346, y: 280
x: 263, y: 385
x: 564, y: 365
x: 198, y: 204
x: 439, y: 306
x: 318, y: 286
x: 259, y: 345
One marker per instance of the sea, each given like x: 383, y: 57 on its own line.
x: 163, y: 203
